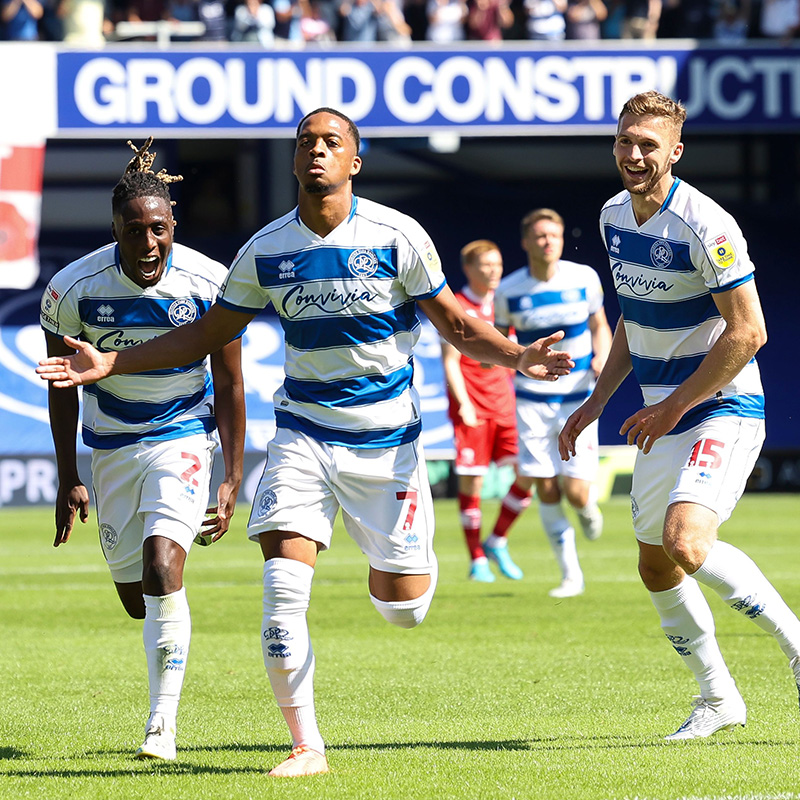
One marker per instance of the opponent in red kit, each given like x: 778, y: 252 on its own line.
x: 481, y: 404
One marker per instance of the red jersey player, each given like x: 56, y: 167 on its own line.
x: 481, y: 405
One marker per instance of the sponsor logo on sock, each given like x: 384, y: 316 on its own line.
x: 279, y: 634
x: 279, y: 651
x: 678, y: 643
x: 749, y: 606
x: 174, y: 657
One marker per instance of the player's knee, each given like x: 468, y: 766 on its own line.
x: 406, y: 613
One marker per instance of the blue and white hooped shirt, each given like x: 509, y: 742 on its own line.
x: 94, y: 300
x: 666, y: 272
x: 537, y: 308
x: 346, y: 302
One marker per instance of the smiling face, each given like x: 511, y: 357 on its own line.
x: 645, y: 148
x: 144, y: 228
x: 325, y: 157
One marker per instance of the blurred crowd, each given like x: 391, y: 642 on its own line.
x: 277, y: 23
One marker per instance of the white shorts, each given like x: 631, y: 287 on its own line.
x: 538, y: 426
x: 142, y: 484
x: 384, y: 496
x: 708, y: 465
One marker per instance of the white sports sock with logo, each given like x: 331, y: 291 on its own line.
x: 736, y: 578
x: 688, y: 623
x: 561, y: 536
x: 166, y: 633
x: 286, y: 645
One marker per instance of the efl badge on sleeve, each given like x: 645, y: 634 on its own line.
x: 721, y: 251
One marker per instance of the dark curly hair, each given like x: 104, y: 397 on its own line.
x: 139, y: 180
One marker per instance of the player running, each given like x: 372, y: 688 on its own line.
x: 691, y: 325
x: 152, y: 435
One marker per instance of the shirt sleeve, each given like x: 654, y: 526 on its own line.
x: 58, y: 312
x: 242, y: 290
x: 419, y: 265
x: 721, y: 254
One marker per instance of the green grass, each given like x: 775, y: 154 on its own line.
x: 503, y: 692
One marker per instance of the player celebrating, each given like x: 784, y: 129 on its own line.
x: 548, y: 294
x: 691, y: 325
x: 152, y: 435
x: 344, y: 275
x: 481, y: 404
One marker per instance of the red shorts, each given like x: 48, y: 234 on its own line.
x: 490, y: 441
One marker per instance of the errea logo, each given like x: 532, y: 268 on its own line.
x: 105, y: 313
x: 286, y: 268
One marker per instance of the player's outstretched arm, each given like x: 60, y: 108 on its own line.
x: 540, y: 361
x: 481, y: 341
x: 186, y: 344
x: 83, y: 367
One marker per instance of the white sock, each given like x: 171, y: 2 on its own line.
x: 688, y: 623
x: 736, y: 578
x: 493, y: 540
x: 561, y: 536
x: 166, y: 634
x: 286, y: 644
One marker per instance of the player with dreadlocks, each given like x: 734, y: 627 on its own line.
x: 152, y: 434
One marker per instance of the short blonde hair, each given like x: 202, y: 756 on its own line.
x: 655, y: 104
x: 532, y: 217
x: 471, y: 252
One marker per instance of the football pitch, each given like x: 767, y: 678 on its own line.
x: 503, y: 692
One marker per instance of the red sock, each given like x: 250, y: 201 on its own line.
x: 514, y: 503
x: 471, y: 519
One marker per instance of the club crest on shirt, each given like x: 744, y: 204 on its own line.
x: 363, y: 263
x: 721, y: 251
x: 661, y: 254
x: 182, y: 312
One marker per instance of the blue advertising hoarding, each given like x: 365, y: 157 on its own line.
x: 509, y: 90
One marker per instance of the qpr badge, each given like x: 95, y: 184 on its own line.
x: 182, y: 312
x: 108, y: 536
x: 267, y: 503
x: 661, y: 254
x: 363, y: 263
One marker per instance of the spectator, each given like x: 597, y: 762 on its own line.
x: 779, y: 19
x: 731, y: 23
x: 315, y: 23
x: 416, y: 15
x: 392, y: 25
x: 641, y: 19
x: 83, y: 21
x: 254, y: 21
x: 446, y: 20
x: 359, y: 20
x: 584, y: 18
x: 212, y: 13
x: 20, y: 20
x: 545, y: 19
x: 611, y: 28
x: 288, y: 19
x: 146, y: 10
x: 182, y: 11
x: 487, y: 19
x: 688, y: 19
